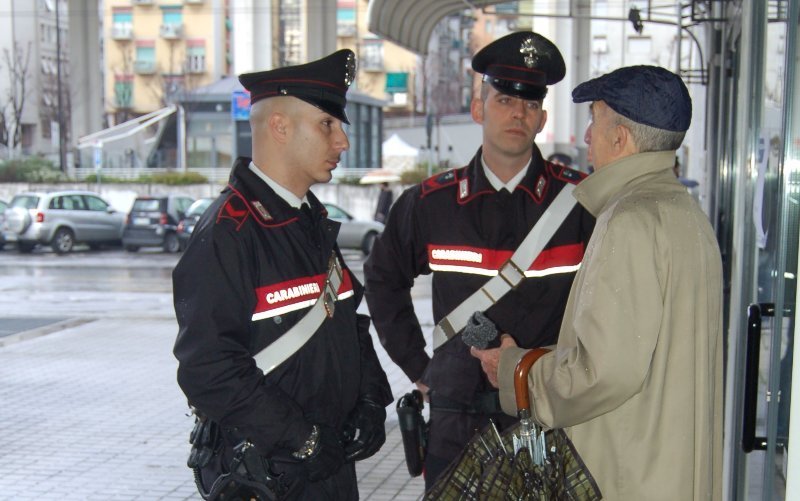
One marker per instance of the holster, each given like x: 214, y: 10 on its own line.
x: 414, y: 430
x: 224, y: 472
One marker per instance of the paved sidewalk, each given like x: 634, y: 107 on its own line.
x: 90, y: 409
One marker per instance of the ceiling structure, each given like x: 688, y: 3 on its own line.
x: 410, y: 23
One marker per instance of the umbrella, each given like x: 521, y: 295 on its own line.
x: 524, y: 462
x: 378, y: 176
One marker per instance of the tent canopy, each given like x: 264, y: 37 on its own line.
x: 396, y: 147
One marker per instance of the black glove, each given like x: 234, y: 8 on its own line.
x: 327, y: 456
x: 364, y: 431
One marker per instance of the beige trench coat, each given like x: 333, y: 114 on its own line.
x: 636, y: 376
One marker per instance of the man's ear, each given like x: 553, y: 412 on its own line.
x: 544, y: 121
x: 476, y: 109
x: 278, y: 125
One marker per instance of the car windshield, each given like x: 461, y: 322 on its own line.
x: 25, y: 201
x: 198, y: 207
x: 147, y: 205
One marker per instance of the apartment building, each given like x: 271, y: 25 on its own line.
x: 33, y: 54
x: 156, y: 50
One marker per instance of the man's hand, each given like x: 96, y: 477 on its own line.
x: 491, y: 358
x: 424, y: 390
x: 364, y: 431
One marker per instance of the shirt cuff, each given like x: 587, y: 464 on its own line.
x: 509, y: 358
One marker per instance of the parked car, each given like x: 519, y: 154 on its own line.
x: 3, y: 205
x: 153, y: 222
x: 193, y: 213
x: 61, y: 219
x: 354, y: 233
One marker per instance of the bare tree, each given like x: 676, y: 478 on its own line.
x: 17, y: 62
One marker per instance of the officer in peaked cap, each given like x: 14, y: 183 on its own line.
x: 521, y: 64
x: 288, y: 394
x: 323, y: 82
x: 465, y: 223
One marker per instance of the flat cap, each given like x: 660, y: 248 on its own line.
x: 322, y: 83
x: 648, y: 95
x: 520, y: 64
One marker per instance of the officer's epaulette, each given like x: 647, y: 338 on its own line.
x: 439, y: 181
x: 235, y: 208
x: 565, y: 173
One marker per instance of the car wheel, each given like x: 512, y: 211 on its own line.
x: 25, y: 247
x: 63, y: 241
x: 171, y: 243
x: 132, y: 248
x: 369, y: 241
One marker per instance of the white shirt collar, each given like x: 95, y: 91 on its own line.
x: 279, y: 190
x: 495, y: 181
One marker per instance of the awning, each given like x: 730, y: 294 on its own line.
x: 126, y: 129
x: 410, y: 23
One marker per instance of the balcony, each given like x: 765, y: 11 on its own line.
x: 171, y: 31
x: 122, y: 31
x: 144, y: 67
x: 195, y: 65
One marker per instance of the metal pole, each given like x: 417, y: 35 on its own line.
x: 61, y: 153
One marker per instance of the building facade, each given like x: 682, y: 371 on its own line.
x: 34, y: 78
x: 156, y: 50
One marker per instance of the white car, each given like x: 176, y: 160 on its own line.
x: 354, y: 233
x: 61, y: 219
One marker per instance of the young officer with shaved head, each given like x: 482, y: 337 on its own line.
x: 278, y: 367
x: 636, y: 376
x: 462, y: 226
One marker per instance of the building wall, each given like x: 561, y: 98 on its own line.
x: 164, y: 47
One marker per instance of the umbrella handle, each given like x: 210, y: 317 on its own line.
x: 521, y: 377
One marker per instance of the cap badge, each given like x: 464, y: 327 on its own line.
x: 350, y: 69
x: 530, y: 54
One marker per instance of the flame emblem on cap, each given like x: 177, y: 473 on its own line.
x: 350, y: 69
x: 530, y: 54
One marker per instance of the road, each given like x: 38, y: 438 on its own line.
x: 89, y: 407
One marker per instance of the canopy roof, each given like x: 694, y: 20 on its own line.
x: 410, y: 23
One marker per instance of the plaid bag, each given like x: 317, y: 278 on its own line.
x: 487, y: 469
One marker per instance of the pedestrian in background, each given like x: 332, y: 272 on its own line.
x: 636, y: 375
x: 463, y: 225
x: 385, y: 198
x: 274, y: 359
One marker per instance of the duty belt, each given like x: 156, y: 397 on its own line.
x: 294, y: 339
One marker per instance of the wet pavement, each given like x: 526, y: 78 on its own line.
x: 89, y: 406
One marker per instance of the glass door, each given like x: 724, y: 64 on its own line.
x: 764, y: 279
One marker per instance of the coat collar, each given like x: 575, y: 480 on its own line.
x: 602, y: 185
x: 472, y: 181
x: 265, y: 204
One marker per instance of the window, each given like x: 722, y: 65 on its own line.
x: 145, y: 56
x: 123, y: 91
x: 122, y: 23
x: 172, y: 16
x: 372, y: 55
x: 94, y: 203
x: 346, y: 19
x: 195, y: 56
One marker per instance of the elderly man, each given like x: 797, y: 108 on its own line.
x: 636, y: 375
x: 278, y: 366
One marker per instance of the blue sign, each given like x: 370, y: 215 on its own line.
x: 240, y: 105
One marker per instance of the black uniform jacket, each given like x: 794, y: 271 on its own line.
x: 252, y: 269
x: 457, y: 226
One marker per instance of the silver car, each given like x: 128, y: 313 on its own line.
x: 61, y: 219
x: 354, y: 233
